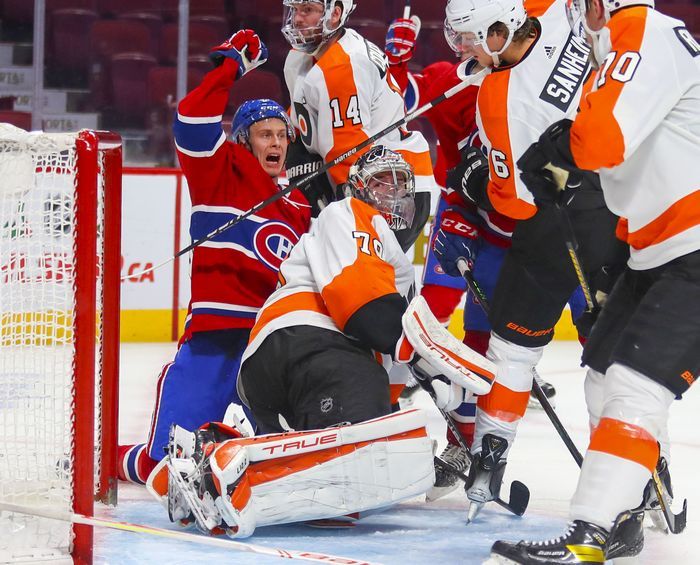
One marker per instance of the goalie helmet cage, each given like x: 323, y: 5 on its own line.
x: 60, y: 214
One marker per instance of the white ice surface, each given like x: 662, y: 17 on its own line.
x: 415, y: 532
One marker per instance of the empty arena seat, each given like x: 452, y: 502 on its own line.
x: 69, y: 40
x: 256, y: 84
x: 162, y: 84
x: 20, y: 119
x: 130, y: 102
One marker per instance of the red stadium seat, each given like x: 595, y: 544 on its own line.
x: 257, y: 84
x: 370, y: 11
x: 154, y: 23
x: 129, y: 88
x: 162, y: 85
x: 431, y: 12
x: 109, y: 37
x: 219, y: 25
x: 53, y: 5
x: 69, y: 40
x: 202, y: 37
x: 20, y: 119
x: 120, y: 7
x: 210, y: 7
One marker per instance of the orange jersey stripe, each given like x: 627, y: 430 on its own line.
x: 421, y: 162
x: 503, y: 403
x: 298, y: 301
x: 536, y: 8
x: 626, y: 441
x: 596, y: 138
x: 680, y: 216
x: 337, y: 73
x: 493, y: 109
x: 369, y: 277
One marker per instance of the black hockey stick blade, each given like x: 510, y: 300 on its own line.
x: 518, y: 500
x: 519, y: 493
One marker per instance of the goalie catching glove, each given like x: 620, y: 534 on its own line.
x: 438, y: 354
x: 226, y: 483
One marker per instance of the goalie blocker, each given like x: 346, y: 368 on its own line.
x: 226, y: 483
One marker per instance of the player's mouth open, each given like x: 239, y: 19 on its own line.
x: 273, y: 158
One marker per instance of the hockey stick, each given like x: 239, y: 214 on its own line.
x: 181, y: 536
x: 519, y: 493
x: 407, y: 10
x: 676, y: 522
x: 539, y: 393
x: 469, y: 81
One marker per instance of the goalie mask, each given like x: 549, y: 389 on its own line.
x: 382, y: 179
x: 301, y: 28
x: 469, y: 20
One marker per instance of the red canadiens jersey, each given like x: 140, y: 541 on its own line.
x: 234, y: 273
x: 454, y: 122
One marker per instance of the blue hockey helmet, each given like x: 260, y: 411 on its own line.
x: 252, y: 111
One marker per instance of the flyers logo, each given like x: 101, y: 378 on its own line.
x: 272, y: 243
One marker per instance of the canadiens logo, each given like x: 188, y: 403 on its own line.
x: 272, y: 242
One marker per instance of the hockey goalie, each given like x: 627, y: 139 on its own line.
x: 224, y: 482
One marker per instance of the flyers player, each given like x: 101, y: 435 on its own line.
x: 323, y: 343
x: 342, y: 93
x: 539, y: 68
x: 316, y: 363
x: 643, y: 351
x: 232, y: 275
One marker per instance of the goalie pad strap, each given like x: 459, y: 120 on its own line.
x: 444, y: 352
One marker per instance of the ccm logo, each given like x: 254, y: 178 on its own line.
x: 301, y: 444
x: 455, y: 226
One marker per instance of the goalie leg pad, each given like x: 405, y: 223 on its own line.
x: 335, y: 471
x: 444, y: 352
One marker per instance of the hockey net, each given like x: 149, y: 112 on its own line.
x: 60, y: 205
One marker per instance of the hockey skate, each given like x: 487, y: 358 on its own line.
x: 549, y: 391
x: 445, y: 480
x: 485, y: 478
x: 583, y: 542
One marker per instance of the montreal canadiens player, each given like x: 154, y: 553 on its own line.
x: 234, y: 273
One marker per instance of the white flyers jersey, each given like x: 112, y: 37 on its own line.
x: 516, y: 103
x: 345, y: 97
x: 349, y: 258
x: 640, y: 127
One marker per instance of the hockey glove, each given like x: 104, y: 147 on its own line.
x: 401, y: 40
x: 470, y: 178
x: 244, y: 47
x: 457, y: 238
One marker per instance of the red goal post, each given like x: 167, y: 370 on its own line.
x: 60, y: 229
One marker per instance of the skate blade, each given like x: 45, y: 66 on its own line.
x: 498, y: 560
x: 435, y: 493
x: 657, y: 521
x: 474, y: 509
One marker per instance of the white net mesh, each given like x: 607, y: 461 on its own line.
x: 37, y: 227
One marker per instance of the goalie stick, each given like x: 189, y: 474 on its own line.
x: 449, y: 93
x: 519, y: 493
x: 676, y: 522
x: 182, y: 536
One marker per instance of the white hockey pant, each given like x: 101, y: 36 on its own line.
x: 623, y: 449
x: 500, y: 411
